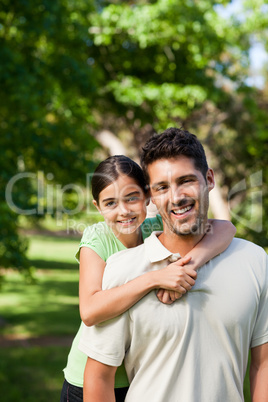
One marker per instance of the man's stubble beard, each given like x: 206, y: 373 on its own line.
x: 196, y: 228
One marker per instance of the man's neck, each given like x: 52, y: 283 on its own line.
x: 182, y: 244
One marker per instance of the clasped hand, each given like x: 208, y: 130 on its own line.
x: 179, y: 278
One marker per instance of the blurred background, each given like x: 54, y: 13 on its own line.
x: 81, y: 80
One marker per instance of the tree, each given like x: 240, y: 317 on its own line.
x: 74, y: 69
x: 180, y: 63
x: 47, y: 90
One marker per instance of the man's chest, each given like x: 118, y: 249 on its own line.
x: 224, y: 298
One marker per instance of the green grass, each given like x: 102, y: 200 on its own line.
x: 54, y: 249
x: 32, y: 374
x: 48, y: 307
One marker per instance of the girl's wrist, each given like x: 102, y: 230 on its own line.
x: 151, y: 280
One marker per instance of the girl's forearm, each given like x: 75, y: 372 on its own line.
x: 106, y: 304
x: 103, y: 305
x: 97, y: 305
x: 213, y: 243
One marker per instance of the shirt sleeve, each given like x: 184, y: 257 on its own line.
x: 92, y: 238
x: 107, y: 342
x: 260, y: 332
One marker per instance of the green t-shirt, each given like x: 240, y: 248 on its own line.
x: 101, y: 239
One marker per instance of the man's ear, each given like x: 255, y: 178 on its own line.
x: 96, y: 205
x: 210, y: 179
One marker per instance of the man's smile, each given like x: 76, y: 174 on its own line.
x: 183, y: 208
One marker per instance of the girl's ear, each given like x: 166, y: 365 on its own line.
x: 96, y: 205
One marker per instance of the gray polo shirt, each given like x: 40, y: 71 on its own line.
x: 195, y: 350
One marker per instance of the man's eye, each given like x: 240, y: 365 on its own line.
x: 161, y: 188
x: 187, y: 181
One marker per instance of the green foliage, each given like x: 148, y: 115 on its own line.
x: 47, y: 91
x: 166, y: 63
x: 158, y: 59
x: 45, y: 73
x: 12, y: 246
x: 71, y: 68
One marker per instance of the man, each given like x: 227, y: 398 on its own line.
x: 195, y: 350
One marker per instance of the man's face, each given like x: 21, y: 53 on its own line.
x: 180, y: 193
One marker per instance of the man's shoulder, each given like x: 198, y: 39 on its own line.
x: 127, y: 254
x: 124, y: 266
x: 244, y: 249
x: 246, y: 244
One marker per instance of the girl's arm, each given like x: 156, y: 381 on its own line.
x: 219, y: 235
x: 97, y: 305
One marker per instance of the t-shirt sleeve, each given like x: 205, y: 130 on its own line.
x: 260, y: 332
x: 92, y: 238
x: 107, y: 342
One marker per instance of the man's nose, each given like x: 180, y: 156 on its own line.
x: 176, y: 194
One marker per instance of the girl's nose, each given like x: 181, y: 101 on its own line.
x: 124, y: 208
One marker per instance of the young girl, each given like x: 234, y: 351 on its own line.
x: 120, y: 195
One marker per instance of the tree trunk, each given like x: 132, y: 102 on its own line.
x: 109, y: 141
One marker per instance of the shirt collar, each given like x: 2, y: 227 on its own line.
x: 156, y: 251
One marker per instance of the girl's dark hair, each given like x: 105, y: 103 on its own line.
x: 110, y: 169
x: 172, y: 143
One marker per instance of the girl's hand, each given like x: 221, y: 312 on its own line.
x: 183, y: 277
x: 168, y: 296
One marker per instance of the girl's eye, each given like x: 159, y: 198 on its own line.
x: 132, y: 199
x: 111, y: 204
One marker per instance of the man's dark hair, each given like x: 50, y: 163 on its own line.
x: 172, y: 143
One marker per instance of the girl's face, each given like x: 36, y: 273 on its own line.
x: 123, y: 205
